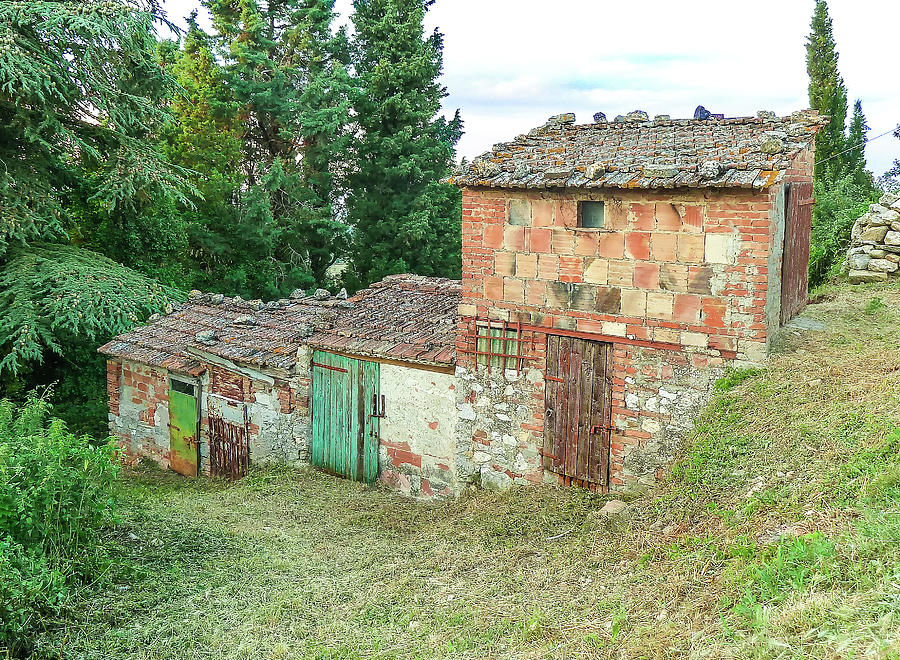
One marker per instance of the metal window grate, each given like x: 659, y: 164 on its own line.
x: 497, y: 344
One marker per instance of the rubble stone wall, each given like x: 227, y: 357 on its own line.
x: 874, y: 254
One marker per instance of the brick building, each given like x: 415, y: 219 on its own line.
x: 611, y: 272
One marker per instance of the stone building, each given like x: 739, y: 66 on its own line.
x: 611, y: 272
x: 363, y: 388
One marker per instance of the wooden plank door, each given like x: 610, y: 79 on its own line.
x: 798, y: 206
x: 578, y: 417
x: 184, y: 456
x: 345, y: 407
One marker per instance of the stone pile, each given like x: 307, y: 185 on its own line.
x: 874, y: 253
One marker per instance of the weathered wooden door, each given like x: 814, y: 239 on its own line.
x: 346, y: 406
x: 577, y: 423
x: 184, y: 455
x: 798, y: 204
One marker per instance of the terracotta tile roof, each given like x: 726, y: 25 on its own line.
x: 250, y: 332
x: 746, y: 152
x: 403, y: 317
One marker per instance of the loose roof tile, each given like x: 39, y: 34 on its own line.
x: 249, y: 332
x: 403, y: 317
x: 743, y: 152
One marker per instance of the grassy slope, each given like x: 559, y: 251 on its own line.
x: 778, y: 535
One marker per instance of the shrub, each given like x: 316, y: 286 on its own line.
x: 54, y: 501
x: 838, y: 205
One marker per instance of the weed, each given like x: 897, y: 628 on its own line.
x: 874, y: 305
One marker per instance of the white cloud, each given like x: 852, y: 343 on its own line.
x: 510, y: 64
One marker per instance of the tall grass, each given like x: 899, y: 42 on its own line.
x: 54, y: 501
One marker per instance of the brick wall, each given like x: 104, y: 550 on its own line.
x: 139, y: 409
x: 679, y: 282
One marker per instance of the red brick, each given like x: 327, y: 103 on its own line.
x: 646, y: 275
x: 714, y: 312
x: 566, y: 214
x: 637, y: 245
x: 587, y: 244
x: 514, y: 239
x: 541, y: 214
x: 548, y: 266
x: 644, y: 217
x: 493, y: 236
x: 539, y: 240
x: 493, y: 288
x: 667, y: 217
x: 693, y: 218
x: 612, y: 245
x: 563, y: 241
x: 505, y: 263
x: 663, y: 246
x: 513, y: 290
x: 687, y: 308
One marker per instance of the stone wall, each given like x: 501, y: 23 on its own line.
x: 417, y: 447
x: 874, y: 253
x: 139, y: 409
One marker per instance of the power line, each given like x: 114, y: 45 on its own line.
x: 863, y: 144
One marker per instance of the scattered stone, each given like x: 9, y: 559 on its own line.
x: 660, y: 171
x: 206, y: 337
x: 859, y: 261
x: 195, y: 293
x: 892, y: 238
x: 218, y: 299
x: 662, y: 118
x: 244, y: 319
x: 806, y: 323
x: 297, y: 294
x: 595, y: 171
x: 559, y: 174
x: 864, y: 276
x: 599, y: 118
x: 305, y: 330
x: 710, y: 169
x: 613, y: 508
x: 771, y: 145
x: 766, y: 114
x: 342, y: 294
x: 322, y: 294
x: 637, y: 115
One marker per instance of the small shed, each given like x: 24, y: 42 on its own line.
x: 611, y: 272
x: 362, y: 388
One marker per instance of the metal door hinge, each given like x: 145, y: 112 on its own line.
x: 377, y: 411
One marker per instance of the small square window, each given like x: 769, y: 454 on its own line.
x: 591, y: 215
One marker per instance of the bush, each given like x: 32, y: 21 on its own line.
x: 838, y: 205
x: 54, y: 501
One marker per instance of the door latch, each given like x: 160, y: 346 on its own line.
x: 377, y: 411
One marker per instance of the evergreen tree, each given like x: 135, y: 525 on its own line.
x: 854, y: 158
x: 287, y: 74
x: 81, y: 95
x: 827, y: 92
x: 403, y: 217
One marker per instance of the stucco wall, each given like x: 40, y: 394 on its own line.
x: 417, y: 451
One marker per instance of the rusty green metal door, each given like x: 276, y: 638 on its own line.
x: 183, y: 425
x: 345, y: 406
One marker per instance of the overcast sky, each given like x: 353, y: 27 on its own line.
x: 510, y: 64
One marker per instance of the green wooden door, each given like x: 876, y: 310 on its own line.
x: 183, y: 445
x: 345, y: 404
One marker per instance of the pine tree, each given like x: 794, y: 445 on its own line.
x: 81, y: 95
x: 285, y: 71
x: 403, y: 217
x: 827, y: 92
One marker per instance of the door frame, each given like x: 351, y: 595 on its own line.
x: 579, y: 453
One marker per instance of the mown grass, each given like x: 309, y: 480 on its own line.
x: 777, y: 534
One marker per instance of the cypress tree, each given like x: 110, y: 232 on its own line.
x: 855, y: 157
x: 827, y: 92
x: 403, y: 217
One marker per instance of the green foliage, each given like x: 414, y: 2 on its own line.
x: 794, y: 564
x: 78, y: 84
x: 874, y: 305
x: 403, y: 218
x: 51, y: 293
x: 54, y: 501
x: 734, y: 377
x: 827, y: 92
x: 839, y: 204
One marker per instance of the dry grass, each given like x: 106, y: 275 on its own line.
x: 778, y: 535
